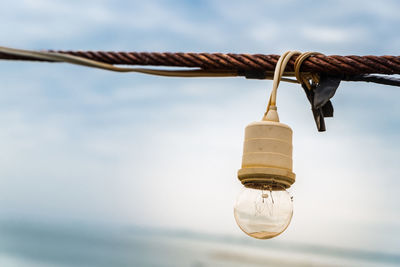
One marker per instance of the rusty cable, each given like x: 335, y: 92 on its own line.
x: 333, y: 65
x: 256, y: 66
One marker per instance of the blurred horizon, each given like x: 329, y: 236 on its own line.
x: 105, y: 245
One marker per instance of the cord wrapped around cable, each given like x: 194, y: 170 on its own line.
x: 319, y: 75
x: 333, y: 65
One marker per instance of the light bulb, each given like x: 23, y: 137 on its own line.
x: 264, y: 208
x: 263, y: 213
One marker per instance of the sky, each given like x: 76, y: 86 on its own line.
x: 82, y: 145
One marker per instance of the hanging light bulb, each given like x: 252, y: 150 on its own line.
x: 264, y: 208
x: 263, y: 213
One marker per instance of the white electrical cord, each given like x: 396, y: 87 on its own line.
x: 61, y: 57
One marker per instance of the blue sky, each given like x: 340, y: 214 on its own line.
x: 85, y: 145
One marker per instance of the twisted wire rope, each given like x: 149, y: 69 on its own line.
x: 334, y: 64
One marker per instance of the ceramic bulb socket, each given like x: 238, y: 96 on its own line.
x: 267, y: 154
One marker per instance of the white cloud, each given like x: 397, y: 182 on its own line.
x: 331, y: 35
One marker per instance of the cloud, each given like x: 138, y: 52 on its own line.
x: 331, y: 34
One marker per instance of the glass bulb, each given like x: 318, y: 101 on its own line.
x: 264, y: 213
